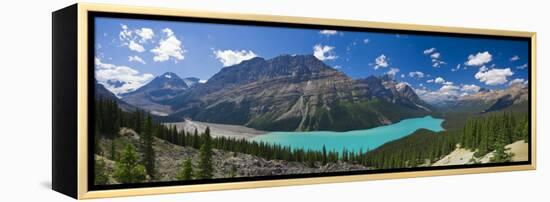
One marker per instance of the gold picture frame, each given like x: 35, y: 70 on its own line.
x: 78, y: 187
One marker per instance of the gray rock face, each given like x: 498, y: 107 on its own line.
x: 294, y: 93
x: 491, y: 100
x: 170, y: 158
x: 150, y: 96
x: 103, y: 93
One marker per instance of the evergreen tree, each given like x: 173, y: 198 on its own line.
x: 128, y: 169
x: 205, y: 161
x: 324, y: 160
x: 100, y: 172
x: 148, y: 152
x: 500, y: 154
x: 186, y: 172
x: 112, y: 150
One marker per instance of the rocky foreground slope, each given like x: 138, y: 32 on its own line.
x: 170, y: 158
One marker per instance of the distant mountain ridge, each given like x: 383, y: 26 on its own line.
x: 285, y: 93
x: 486, y: 100
x: 103, y: 93
x: 296, y: 93
x: 149, y: 96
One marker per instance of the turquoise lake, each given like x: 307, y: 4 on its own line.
x: 351, y: 140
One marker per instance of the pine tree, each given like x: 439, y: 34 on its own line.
x: 324, y: 160
x: 148, y: 152
x: 205, y: 161
x: 500, y: 154
x: 112, y: 150
x: 128, y: 169
x: 186, y: 172
x: 100, y: 172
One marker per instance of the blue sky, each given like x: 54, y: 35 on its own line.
x: 130, y: 52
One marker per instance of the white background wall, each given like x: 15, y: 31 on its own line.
x: 25, y: 101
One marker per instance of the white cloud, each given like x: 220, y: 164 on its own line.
x: 402, y: 76
x: 494, y: 76
x: 514, y: 58
x: 337, y: 67
x: 416, y: 74
x: 328, y: 32
x: 479, y: 59
x: 136, y: 58
x: 366, y: 41
x: 470, y: 88
x: 392, y: 71
x: 435, y: 56
x: 429, y: 51
x: 324, y: 52
x: 135, y: 38
x: 448, y: 83
x: 233, y: 57
x: 145, y: 34
x: 445, y: 93
x: 125, y: 34
x: 517, y: 81
x: 135, y: 46
x: 522, y: 66
x: 381, y: 61
x: 169, y: 47
x: 130, y: 78
x: 449, y: 88
x: 439, y: 80
x: 429, y: 81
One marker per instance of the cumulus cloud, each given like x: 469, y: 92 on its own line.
x: 136, y: 58
x: 435, y: 57
x: 479, y: 59
x: 169, y: 47
x: 145, y: 34
x: 429, y: 51
x: 392, y: 71
x: 472, y: 88
x: 514, y: 58
x: 416, y: 74
x: 119, y: 79
x: 233, y: 57
x: 445, y: 93
x: 429, y: 81
x: 439, y: 80
x: 328, y: 32
x: 125, y: 33
x: 135, y: 38
x: 132, y: 45
x: 324, y: 52
x: 381, y: 61
x: 494, y: 76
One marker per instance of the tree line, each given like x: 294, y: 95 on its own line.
x: 484, y: 134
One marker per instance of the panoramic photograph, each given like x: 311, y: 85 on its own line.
x: 192, y: 101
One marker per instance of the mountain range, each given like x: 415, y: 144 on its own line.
x: 286, y: 93
x: 289, y: 93
x: 161, y: 88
